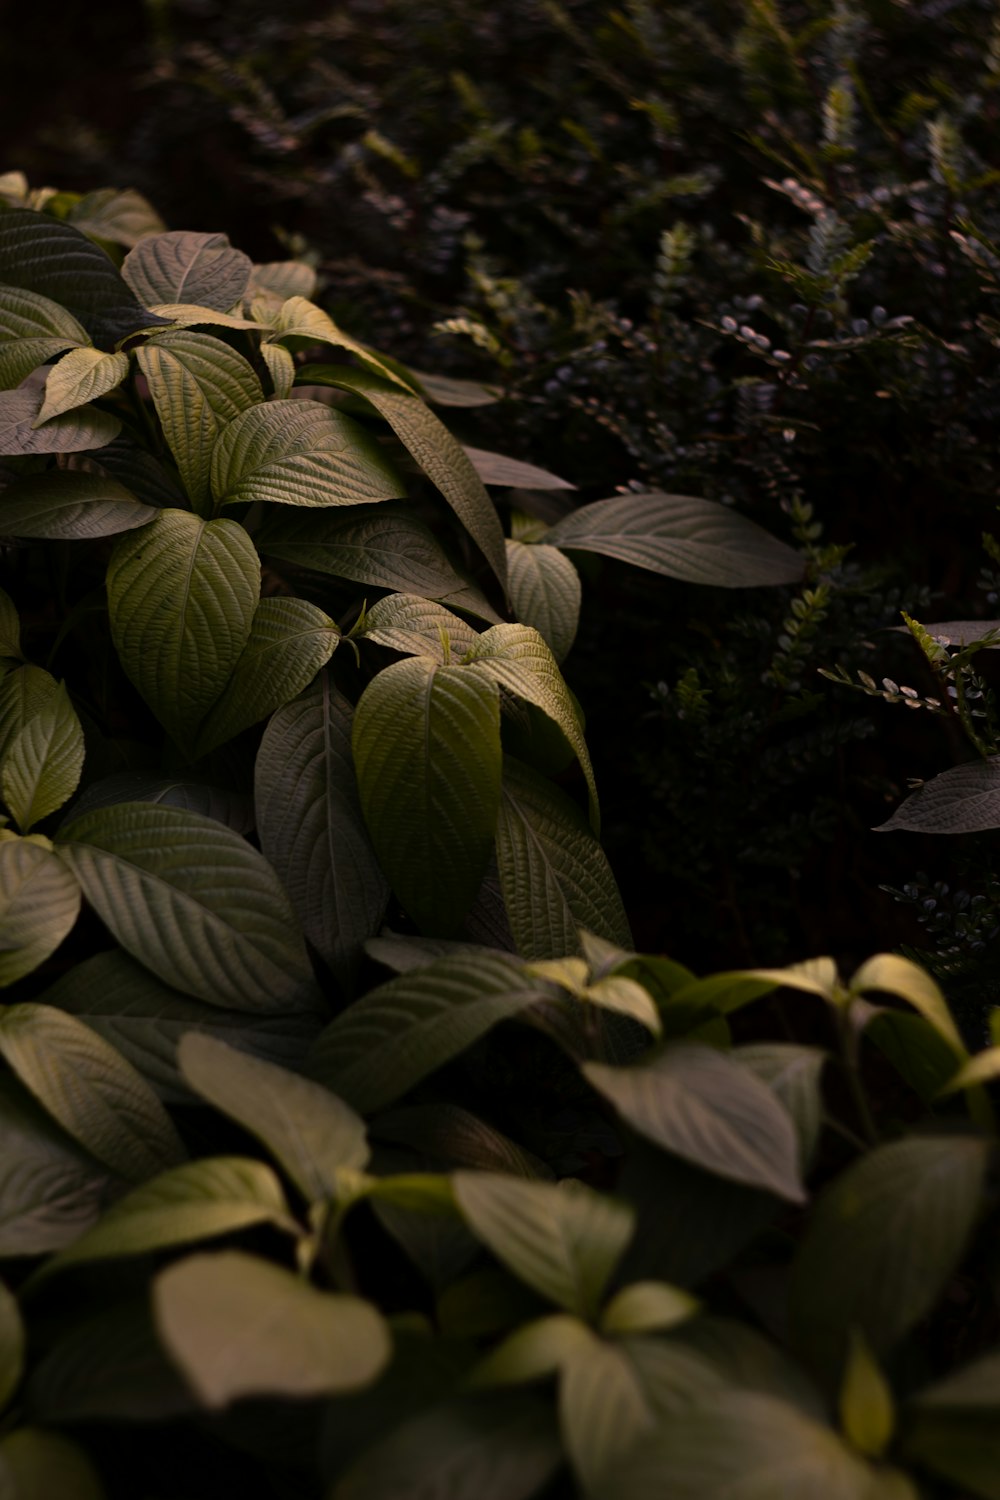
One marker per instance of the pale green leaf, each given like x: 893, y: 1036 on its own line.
x: 647, y: 1307
x: 300, y: 319
x: 793, y: 1073
x: 867, y: 1414
x: 75, y: 431
x: 39, y: 905
x: 383, y: 1044
x: 554, y: 874
x: 290, y: 641
x: 563, y: 1239
x: 280, y: 367
x: 80, y: 376
x: 283, y: 278
x: 40, y: 1465
x: 93, y: 1092
x: 626, y: 998
x: 123, y: 216
x: 50, y: 1190
x: 602, y: 1411
x: 22, y: 357
x: 25, y: 692
x: 545, y: 592
x: 42, y: 762
x: 69, y: 504
x: 191, y: 900
x: 311, y: 827
x: 238, y: 1326
x: 28, y: 315
x: 311, y: 1133
x: 699, y: 1104
x: 183, y: 266
x: 418, y: 627
x: 533, y: 1352
x: 11, y: 1345
x: 426, y: 744
x: 182, y: 594
x: 191, y: 315
x: 900, y: 976
x: 698, y: 541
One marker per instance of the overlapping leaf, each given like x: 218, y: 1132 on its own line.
x: 387, y: 547
x: 82, y: 375
x: 39, y: 905
x: 183, y: 266
x: 50, y: 1189
x: 42, y: 761
x: 545, y: 592
x: 76, y: 431
x: 70, y: 504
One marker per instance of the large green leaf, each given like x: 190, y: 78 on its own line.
x: 300, y: 453
x: 738, y: 1445
x: 428, y: 441
x: 563, y: 1239
x: 75, y: 431
x: 38, y: 1465
x: 26, y: 315
x: 39, y: 905
x: 94, y: 1093
x: 283, y: 279
x: 69, y: 504
x: 40, y: 254
x: 426, y: 745
x: 25, y: 692
x: 882, y: 1243
x: 699, y: 541
x: 533, y: 1351
x: 554, y: 874
x: 182, y: 594
x: 545, y: 592
x: 290, y: 642
x: 386, y: 547
x: 22, y: 357
x: 11, y: 1345
x: 602, y: 1411
x: 793, y: 1073
x: 123, y: 216
x: 50, y: 1190
x: 518, y: 659
x: 964, y: 799
x: 311, y: 826
x: 198, y: 384
x: 238, y: 1326
x: 297, y: 318
x: 183, y: 266
x: 191, y: 900
x: 145, y: 1019
x: 309, y: 1131
x: 702, y: 1106
x: 197, y: 1201
x: 42, y: 762
x: 418, y: 627
x: 399, y: 1032
x: 80, y: 376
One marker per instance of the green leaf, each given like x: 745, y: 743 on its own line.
x: 200, y: 1200
x: 554, y: 874
x: 124, y: 217
x: 21, y: 358
x: 80, y: 376
x: 96, y: 1096
x: 699, y: 541
x: 50, y: 1190
x: 900, y: 976
x: 182, y: 594
x: 511, y: 473
x: 699, y: 1104
x: 498, y: 1446
x: 738, y: 1444
x: 545, y: 592
x: 445, y: 390
x: 108, y: 1366
x: 192, y: 901
x: 182, y: 266
x: 75, y: 431
x: 428, y: 441
x: 42, y: 763
x: 290, y: 642
x: 300, y: 453
x: 308, y: 1130
x: 69, y: 504
x: 534, y: 1351
x: 300, y: 319
x: 26, y: 315
x: 426, y: 744
x: 37, y: 1465
x: 602, y: 1411
x: 419, y: 627
x: 311, y: 827
x: 237, y: 1326
x: 382, y: 1045
x: 40, y: 254
x: 965, y: 799
x: 39, y: 905
x: 793, y: 1073
x: 191, y: 314
x: 517, y: 658
x: 11, y: 1345
x: 647, y: 1307
x: 198, y: 384
x: 283, y: 278
x: 882, y: 1243
x: 915, y: 1050
x: 866, y: 1406
x: 280, y: 367
x: 144, y: 1020
x: 25, y: 692
x: 625, y: 998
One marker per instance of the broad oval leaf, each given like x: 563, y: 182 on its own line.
x: 545, y: 592
x: 300, y: 453
x: 602, y: 1411
x: 284, y: 278
x: 184, y: 266
x: 554, y: 874
x: 563, y: 1239
x: 882, y: 1243
x: 191, y: 900
x: 238, y: 1326
x: 309, y: 1131
x: 793, y: 1073
x: 80, y: 376
x: 38, y: 1465
x: 647, y: 1307
x: 534, y: 1351
x: 512, y: 473
x: 965, y: 799
x: 95, y: 1094
x: 50, y: 1189
x: 29, y: 315
x: 42, y: 762
x: 383, y: 1044
x: 23, y: 357
x: 298, y: 318
x: 426, y: 744
x: 182, y: 594
x: 70, y: 504
x: 702, y: 1106
x: 75, y: 431
x: 290, y: 641
x: 418, y: 627
x: 901, y: 976
x: 698, y: 541
x: 39, y: 905
x: 11, y: 1345
x: 122, y: 216
x: 311, y: 826
x: 386, y: 547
